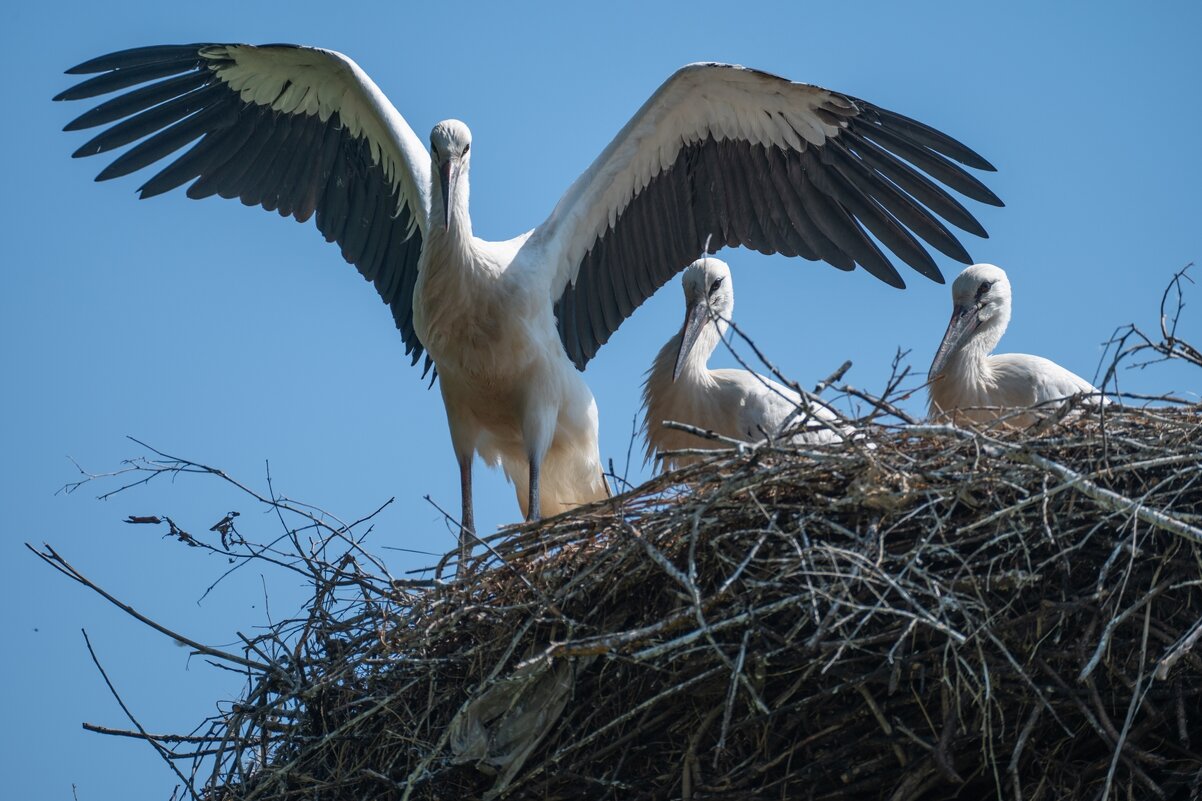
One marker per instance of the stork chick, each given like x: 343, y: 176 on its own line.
x: 966, y: 382
x: 737, y: 404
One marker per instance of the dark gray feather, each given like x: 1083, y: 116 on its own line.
x: 138, y: 56
x: 933, y: 165
x: 923, y: 134
x: 130, y: 76
x: 904, y: 208
x: 138, y: 100
x: 169, y: 140
x: 924, y: 190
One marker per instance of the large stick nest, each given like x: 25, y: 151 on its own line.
x: 937, y: 613
x: 923, y: 612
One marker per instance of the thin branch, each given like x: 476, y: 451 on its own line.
x: 159, y: 749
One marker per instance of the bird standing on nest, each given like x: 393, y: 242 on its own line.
x: 737, y: 404
x: 966, y: 382
x: 719, y: 151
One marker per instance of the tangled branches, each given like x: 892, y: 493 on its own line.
x: 923, y: 612
x: 943, y: 613
x: 1131, y: 344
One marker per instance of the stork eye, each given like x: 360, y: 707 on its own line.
x: 983, y: 288
x: 467, y: 147
x: 716, y: 285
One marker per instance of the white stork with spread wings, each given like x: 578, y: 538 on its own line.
x: 719, y: 151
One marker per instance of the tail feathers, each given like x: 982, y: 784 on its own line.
x: 567, y: 482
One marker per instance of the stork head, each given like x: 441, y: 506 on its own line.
x: 980, y: 311
x: 708, y: 295
x: 450, y: 153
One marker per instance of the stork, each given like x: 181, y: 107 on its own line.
x: 737, y: 404
x: 718, y: 151
x: 966, y: 382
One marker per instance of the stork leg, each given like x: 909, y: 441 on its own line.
x: 533, y: 509
x: 467, y: 518
x: 538, y: 430
x: 465, y: 432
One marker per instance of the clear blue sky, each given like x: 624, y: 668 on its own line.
x: 233, y: 337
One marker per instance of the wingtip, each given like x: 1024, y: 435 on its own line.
x: 978, y: 161
x: 884, y: 271
x: 135, y: 55
x: 971, y: 158
x: 991, y: 199
x: 961, y: 254
x: 932, y: 272
x: 110, y: 172
x: 91, y: 66
x: 973, y: 226
x: 82, y: 122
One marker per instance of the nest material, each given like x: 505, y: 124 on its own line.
x: 924, y: 612
x: 943, y: 614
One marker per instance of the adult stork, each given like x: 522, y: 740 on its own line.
x: 966, y: 382
x: 738, y: 404
x: 719, y: 151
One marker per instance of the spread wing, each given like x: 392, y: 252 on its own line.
x: 297, y: 130
x: 741, y: 157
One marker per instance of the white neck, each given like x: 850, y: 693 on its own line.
x: 696, y: 364
x: 972, y: 357
x: 974, y: 354
x: 665, y: 362
x: 668, y: 399
x: 968, y: 372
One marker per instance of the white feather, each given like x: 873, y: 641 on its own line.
x: 737, y: 404
x: 324, y: 82
x: 975, y: 385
